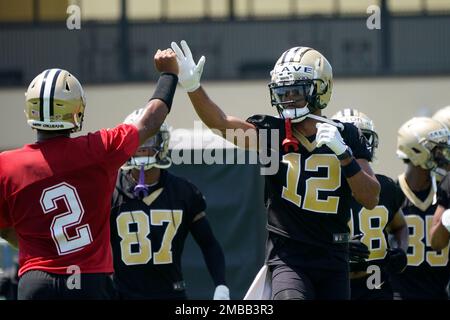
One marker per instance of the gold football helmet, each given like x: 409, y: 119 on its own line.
x: 55, y: 100
x: 363, y: 123
x: 159, y: 144
x: 425, y: 142
x: 301, y: 83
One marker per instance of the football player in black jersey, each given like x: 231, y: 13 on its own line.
x: 375, y: 225
x: 422, y: 143
x: 440, y: 231
x: 321, y: 163
x: 152, y: 213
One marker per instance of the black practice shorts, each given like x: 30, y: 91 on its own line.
x: 297, y: 283
x: 41, y: 285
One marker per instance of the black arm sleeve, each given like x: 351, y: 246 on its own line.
x: 211, y: 249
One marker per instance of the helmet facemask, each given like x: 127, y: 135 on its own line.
x: 372, y: 141
x: 157, y: 148
x: 294, y: 99
x: 439, y: 158
x: 363, y: 123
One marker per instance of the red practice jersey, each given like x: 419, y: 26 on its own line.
x: 56, y: 194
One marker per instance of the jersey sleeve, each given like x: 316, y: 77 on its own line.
x: 120, y: 143
x: 392, y: 195
x: 5, y: 220
x: 356, y: 141
x: 443, y: 192
x: 197, y: 201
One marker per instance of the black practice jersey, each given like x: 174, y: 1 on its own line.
x: 373, y: 225
x: 148, y: 236
x: 428, y: 271
x: 308, y: 199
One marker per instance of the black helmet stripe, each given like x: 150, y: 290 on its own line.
x: 284, y: 56
x: 52, y: 92
x: 41, y: 96
x: 48, y: 93
x: 303, y: 53
x: 291, y: 55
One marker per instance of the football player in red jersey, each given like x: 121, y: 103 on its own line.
x: 55, y: 194
x: 308, y: 197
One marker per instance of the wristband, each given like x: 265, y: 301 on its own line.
x: 351, y: 169
x: 165, y: 89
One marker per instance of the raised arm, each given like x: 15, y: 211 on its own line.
x: 208, y: 111
x: 156, y: 110
x: 364, y: 185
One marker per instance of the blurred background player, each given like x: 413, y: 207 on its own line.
x: 153, y: 212
x: 440, y: 231
x: 376, y: 224
x: 55, y: 193
x: 308, y: 198
x: 423, y: 145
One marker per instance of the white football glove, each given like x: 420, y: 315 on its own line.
x: 189, y: 74
x: 445, y: 219
x: 222, y: 293
x: 329, y: 135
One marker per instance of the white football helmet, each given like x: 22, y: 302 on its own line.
x: 443, y: 116
x: 158, y: 143
x: 363, y: 123
x: 425, y: 143
x: 303, y: 76
x: 55, y: 100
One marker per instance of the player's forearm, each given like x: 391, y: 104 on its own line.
x: 365, y: 188
x: 439, y: 237
x: 401, y: 236
x: 153, y: 117
x: 209, y: 112
x: 215, y: 262
x: 211, y: 250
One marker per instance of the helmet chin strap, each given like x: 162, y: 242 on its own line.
x: 292, y: 114
x: 141, y: 189
x: 295, y: 114
x: 339, y: 125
